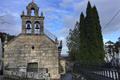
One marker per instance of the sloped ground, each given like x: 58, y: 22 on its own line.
x: 67, y: 76
x: 1, y: 77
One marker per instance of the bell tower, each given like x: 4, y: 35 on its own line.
x: 32, y: 22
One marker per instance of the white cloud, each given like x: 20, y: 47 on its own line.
x: 61, y: 14
x: 66, y: 3
x: 8, y: 24
x: 106, y: 8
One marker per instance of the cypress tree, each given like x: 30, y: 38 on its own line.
x: 85, y: 42
x: 91, y: 41
x: 83, y: 46
x: 99, y: 39
x: 89, y: 34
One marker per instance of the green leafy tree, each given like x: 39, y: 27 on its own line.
x: 4, y: 35
x: 73, y: 42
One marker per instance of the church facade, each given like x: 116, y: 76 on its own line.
x: 32, y: 50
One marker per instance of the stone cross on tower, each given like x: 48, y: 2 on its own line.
x: 32, y: 0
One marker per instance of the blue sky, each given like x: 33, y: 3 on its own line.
x: 60, y: 16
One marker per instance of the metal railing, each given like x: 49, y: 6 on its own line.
x: 50, y: 35
x: 93, y: 72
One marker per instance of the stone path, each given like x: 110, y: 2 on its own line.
x: 1, y: 77
x: 68, y: 76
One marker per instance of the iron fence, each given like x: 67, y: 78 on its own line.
x: 97, y: 72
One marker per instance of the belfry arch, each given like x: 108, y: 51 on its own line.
x: 32, y: 22
x: 32, y: 7
x: 28, y: 27
x: 37, y: 27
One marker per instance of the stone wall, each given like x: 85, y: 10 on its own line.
x: 33, y: 48
x: 63, y: 66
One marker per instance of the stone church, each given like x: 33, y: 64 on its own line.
x: 33, y: 50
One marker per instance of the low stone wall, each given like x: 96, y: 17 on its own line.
x: 26, y: 75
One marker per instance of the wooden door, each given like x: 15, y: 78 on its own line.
x: 32, y: 67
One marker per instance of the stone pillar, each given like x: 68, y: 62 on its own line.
x: 33, y: 32
x: 23, y: 25
x: 42, y: 27
x: 36, y: 12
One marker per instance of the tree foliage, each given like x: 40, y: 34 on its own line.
x: 73, y: 42
x: 4, y: 35
x: 85, y: 41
